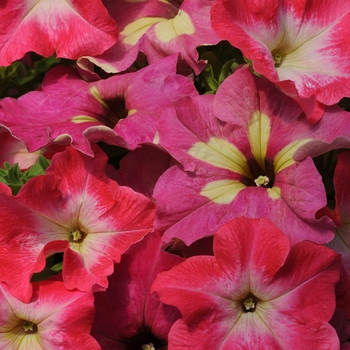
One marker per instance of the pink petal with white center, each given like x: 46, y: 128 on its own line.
x: 293, y: 289
x: 54, y: 318
x: 242, y: 315
x: 146, y: 319
x: 300, y: 46
x: 246, y: 336
x: 69, y: 29
x: 106, y: 218
x: 81, y: 212
x: 24, y: 235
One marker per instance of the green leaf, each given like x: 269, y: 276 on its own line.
x: 58, y: 267
x: 228, y: 68
x: 210, y: 79
x: 12, y: 175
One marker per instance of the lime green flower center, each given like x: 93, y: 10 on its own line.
x: 77, y: 235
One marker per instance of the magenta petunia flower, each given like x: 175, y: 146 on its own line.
x: 159, y: 29
x: 245, y: 152
x: 76, y: 209
x: 128, y: 316
x: 122, y: 110
x: 301, y: 46
x: 257, y: 292
x: 54, y: 318
x: 69, y: 29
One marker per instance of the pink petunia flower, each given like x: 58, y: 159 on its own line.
x: 76, y: 209
x: 128, y: 316
x: 257, y: 292
x: 69, y: 29
x: 54, y: 318
x: 301, y: 46
x: 159, y: 29
x: 122, y: 110
x: 245, y: 152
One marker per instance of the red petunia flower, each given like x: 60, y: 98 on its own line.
x: 69, y: 29
x: 54, y: 318
x: 301, y: 46
x: 76, y: 209
x: 257, y: 292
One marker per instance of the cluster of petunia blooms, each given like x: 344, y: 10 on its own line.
x: 170, y: 217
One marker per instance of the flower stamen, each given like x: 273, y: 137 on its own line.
x: 249, y: 304
x: 277, y: 59
x: 76, y: 235
x: 29, y: 327
x: 149, y: 346
x: 262, y: 180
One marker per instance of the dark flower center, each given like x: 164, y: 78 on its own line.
x: 249, y: 303
x: 114, y: 111
x: 260, y: 177
x: 29, y: 327
x: 144, y: 341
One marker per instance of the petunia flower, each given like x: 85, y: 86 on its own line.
x: 301, y: 46
x: 122, y: 110
x: 76, y: 209
x: 69, y: 29
x: 54, y: 318
x: 158, y: 29
x: 128, y: 316
x: 245, y: 152
x: 257, y: 292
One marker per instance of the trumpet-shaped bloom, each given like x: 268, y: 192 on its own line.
x: 128, y: 316
x: 245, y: 152
x: 301, y: 46
x: 54, y: 318
x: 159, y: 29
x: 122, y: 110
x: 68, y: 28
x: 257, y: 292
x: 74, y: 208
